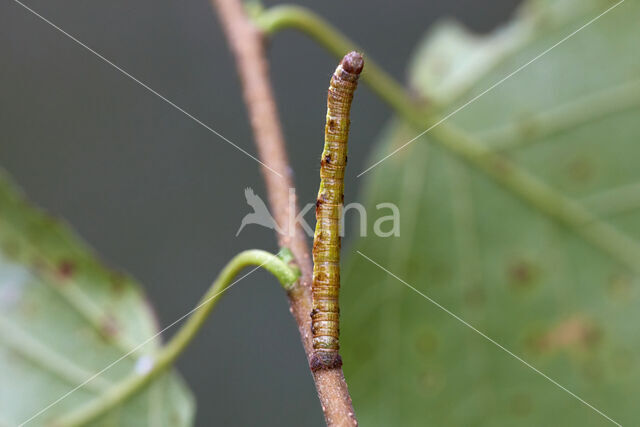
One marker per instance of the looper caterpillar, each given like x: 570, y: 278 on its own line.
x: 326, y: 241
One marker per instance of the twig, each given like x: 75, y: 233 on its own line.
x: 164, y: 359
x: 246, y: 43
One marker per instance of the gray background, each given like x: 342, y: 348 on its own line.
x: 161, y: 197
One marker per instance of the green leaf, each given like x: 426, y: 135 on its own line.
x: 482, y: 251
x: 64, y: 317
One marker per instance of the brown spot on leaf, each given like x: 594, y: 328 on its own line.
x: 522, y: 273
x: 108, y: 327
x: 574, y: 333
x: 502, y: 166
x: 521, y: 404
x: 426, y: 343
x: 66, y: 269
x: 581, y: 170
x: 440, y: 272
x: 619, y: 287
x: 475, y: 296
x: 118, y: 283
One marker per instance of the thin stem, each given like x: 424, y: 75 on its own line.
x: 247, y: 45
x: 523, y: 184
x: 587, y: 109
x: 164, y: 359
x: 282, y: 17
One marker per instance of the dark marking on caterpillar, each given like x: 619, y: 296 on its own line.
x: 326, y: 243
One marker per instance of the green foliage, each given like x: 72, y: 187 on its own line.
x: 63, y: 318
x: 482, y: 251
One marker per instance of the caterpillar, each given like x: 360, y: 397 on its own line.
x: 326, y: 240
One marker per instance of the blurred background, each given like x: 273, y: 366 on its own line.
x: 161, y: 197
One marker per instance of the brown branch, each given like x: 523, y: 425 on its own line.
x: 246, y: 44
